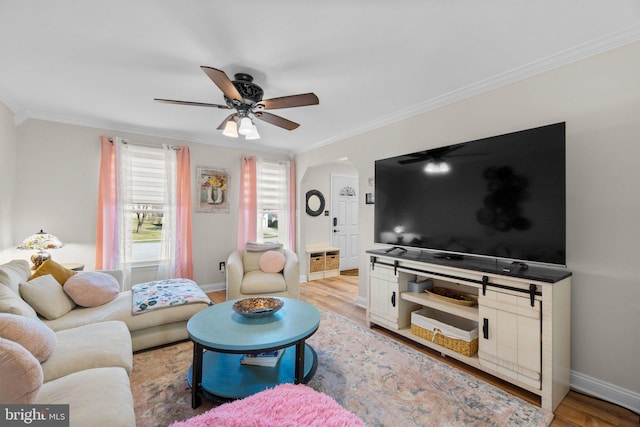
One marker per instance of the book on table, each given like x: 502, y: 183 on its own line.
x: 267, y: 358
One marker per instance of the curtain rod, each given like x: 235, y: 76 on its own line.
x: 126, y: 141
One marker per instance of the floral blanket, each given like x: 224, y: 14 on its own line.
x: 166, y: 293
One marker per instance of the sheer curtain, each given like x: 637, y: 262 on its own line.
x: 168, y: 243
x: 292, y: 205
x: 124, y: 187
x: 247, y: 209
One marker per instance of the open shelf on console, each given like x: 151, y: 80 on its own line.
x: 426, y: 300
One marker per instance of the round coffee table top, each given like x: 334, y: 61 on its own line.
x: 220, y: 328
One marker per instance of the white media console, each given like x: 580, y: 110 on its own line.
x: 523, y: 315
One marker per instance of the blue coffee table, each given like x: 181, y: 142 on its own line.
x: 221, y: 337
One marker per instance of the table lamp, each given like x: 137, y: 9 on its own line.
x: 40, y: 242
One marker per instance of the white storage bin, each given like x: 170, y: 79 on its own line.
x: 446, y: 329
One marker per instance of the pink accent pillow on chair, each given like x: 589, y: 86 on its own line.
x: 272, y: 262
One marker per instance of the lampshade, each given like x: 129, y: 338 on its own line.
x: 40, y: 241
x: 253, y: 134
x: 245, y: 126
x: 231, y: 129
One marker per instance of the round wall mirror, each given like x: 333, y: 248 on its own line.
x: 315, y: 202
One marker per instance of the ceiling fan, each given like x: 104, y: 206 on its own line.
x: 245, y: 97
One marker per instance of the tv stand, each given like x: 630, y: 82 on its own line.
x: 523, y: 315
x: 393, y: 248
x: 452, y: 257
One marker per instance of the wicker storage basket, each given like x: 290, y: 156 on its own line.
x: 317, y: 263
x: 333, y: 262
x: 447, y: 330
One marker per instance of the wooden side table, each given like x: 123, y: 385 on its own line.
x: 75, y: 266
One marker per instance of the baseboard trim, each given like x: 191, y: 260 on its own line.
x: 611, y: 393
x: 213, y: 287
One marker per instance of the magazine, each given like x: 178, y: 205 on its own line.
x: 267, y: 358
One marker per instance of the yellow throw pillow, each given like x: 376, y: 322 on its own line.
x: 59, y: 272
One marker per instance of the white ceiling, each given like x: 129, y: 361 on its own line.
x: 370, y: 62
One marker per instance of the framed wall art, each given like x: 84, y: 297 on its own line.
x: 213, y: 189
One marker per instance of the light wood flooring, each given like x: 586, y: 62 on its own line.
x: 339, y: 295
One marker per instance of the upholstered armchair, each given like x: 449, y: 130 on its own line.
x: 246, y: 277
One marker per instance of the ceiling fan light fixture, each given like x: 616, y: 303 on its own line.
x: 245, y: 126
x: 231, y: 129
x: 253, y: 134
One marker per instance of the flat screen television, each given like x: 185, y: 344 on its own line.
x: 502, y: 197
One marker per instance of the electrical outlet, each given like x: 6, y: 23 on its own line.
x: 222, y: 266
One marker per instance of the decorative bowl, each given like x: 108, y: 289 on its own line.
x: 257, y: 307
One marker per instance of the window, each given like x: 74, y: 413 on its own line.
x: 272, y: 187
x: 146, y: 202
x: 144, y: 209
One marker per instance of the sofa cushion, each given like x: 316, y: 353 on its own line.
x: 258, y: 282
x: 58, y: 271
x: 96, y: 397
x: 46, y: 296
x: 91, y: 289
x: 21, y: 374
x: 272, y: 262
x: 121, y: 309
x: 30, y: 333
x: 10, y: 302
x: 13, y: 273
x: 98, y: 345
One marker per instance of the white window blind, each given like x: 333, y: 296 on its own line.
x: 272, y: 189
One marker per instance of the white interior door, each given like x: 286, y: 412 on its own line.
x: 344, y: 219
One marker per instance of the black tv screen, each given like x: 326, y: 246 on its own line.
x: 501, y: 197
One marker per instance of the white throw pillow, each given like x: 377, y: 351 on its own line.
x: 10, y: 302
x: 46, y: 296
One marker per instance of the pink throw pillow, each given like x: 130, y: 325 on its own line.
x: 91, y: 288
x: 21, y: 374
x: 30, y: 333
x: 272, y: 262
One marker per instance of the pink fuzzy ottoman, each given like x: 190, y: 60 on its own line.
x: 285, y: 405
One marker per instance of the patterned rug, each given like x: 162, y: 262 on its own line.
x: 382, y: 381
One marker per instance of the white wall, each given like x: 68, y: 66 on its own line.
x: 599, y: 98
x: 8, y: 142
x: 56, y: 190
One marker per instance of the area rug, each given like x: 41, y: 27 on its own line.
x: 383, y: 382
x: 286, y: 405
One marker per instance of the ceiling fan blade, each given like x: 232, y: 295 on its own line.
x: 197, y: 104
x: 222, y: 81
x: 224, y: 122
x: 290, y: 101
x: 276, y: 120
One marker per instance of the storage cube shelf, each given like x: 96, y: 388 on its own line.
x: 322, y: 261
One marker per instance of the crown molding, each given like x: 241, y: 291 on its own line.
x: 147, y: 131
x: 560, y: 59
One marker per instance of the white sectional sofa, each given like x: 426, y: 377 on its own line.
x: 89, y: 349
